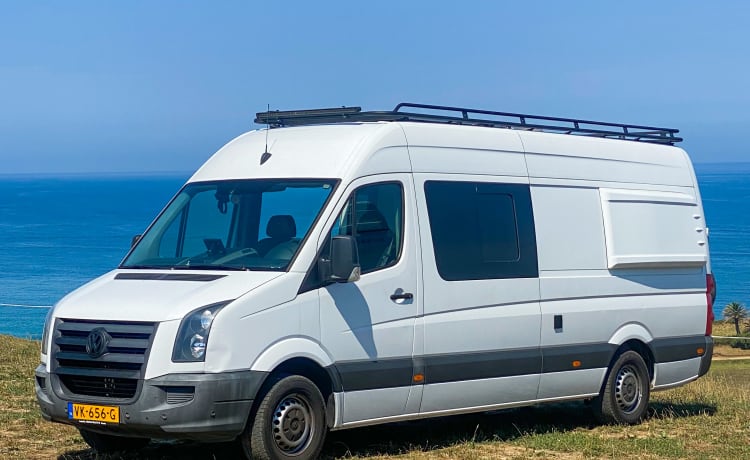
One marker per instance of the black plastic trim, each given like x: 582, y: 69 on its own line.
x: 217, y: 411
x: 168, y: 276
x: 588, y: 356
x: 678, y: 348
x: 706, y: 360
x: 456, y: 367
x: 481, y: 365
x: 371, y: 375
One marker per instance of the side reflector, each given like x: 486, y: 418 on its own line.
x: 576, y: 364
x: 418, y: 378
x: 700, y: 351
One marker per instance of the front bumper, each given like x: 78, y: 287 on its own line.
x: 202, y: 407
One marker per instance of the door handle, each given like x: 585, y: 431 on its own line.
x: 402, y: 296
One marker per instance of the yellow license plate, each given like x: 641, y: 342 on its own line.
x: 92, y: 413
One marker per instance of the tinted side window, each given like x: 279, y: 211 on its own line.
x: 374, y: 215
x: 482, y: 230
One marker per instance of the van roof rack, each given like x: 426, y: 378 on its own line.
x: 426, y: 113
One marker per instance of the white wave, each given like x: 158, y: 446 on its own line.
x: 24, y: 306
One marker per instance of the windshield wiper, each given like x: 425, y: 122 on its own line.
x: 208, y: 267
x: 143, y: 267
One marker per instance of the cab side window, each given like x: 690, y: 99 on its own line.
x: 374, y: 216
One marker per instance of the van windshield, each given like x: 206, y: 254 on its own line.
x: 232, y: 225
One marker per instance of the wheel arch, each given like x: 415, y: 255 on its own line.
x: 635, y: 337
x: 303, y: 357
x: 289, y: 348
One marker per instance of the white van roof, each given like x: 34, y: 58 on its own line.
x: 321, y: 151
x: 346, y: 143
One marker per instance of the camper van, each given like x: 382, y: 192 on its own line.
x: 340, y: 268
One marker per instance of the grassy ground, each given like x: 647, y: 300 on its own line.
x: 723, y: 328
x: 709, y: 418
x: 721, y: 347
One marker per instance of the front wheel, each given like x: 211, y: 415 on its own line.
x: 289, y: 423
x: 624, y: 397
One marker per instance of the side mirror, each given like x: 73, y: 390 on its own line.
x: 344, y: 261
x: 135, y: 240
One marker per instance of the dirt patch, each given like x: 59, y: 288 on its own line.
x: 726, y: 352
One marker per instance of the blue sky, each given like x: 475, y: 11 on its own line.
x: 158, y: 86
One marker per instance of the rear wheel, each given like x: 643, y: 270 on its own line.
x: 289, y: 423
x: 107, y: 443
x: 624, y: 397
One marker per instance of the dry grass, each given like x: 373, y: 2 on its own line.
x: 23, y: 433
x: 709, y: 418
x: 726, y: 328
x: 722, y: 349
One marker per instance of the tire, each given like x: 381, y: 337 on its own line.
x: 624, y: 397
x: 107, y: 443
x: 289, y: 422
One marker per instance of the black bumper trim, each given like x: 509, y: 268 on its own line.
x: 678, y: 348
x: 217, y: 412
x: 706, y: 359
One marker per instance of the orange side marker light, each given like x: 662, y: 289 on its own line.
x: 576, y: 363
x: 418, y: 378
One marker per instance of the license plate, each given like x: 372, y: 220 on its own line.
x: 92, y: 413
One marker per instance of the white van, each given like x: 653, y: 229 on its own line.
x: 343, y: 268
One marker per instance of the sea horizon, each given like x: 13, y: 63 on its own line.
x: 187, y: 173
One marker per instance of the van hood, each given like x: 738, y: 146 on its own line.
x: 156, y: 295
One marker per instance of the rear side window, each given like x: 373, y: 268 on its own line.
x: 482, y: 230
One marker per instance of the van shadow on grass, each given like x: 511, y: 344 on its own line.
x: 420, y: 435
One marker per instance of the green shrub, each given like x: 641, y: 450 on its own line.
x: 743, y: 344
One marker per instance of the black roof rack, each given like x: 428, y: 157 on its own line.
x: 425, y: 113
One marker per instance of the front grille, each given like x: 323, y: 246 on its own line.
x: 103, y: 387
x: 112, y: 373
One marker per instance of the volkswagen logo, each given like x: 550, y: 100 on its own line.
x: 97, y: 341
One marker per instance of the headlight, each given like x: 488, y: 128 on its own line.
x: 45, y: 332
x: 192, y: 337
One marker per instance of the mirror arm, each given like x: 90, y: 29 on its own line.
x: 135, y: 240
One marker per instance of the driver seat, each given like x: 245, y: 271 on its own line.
x: 280, y: 229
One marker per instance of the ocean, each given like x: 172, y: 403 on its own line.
x: 725, y: 189
x: 57, y: 233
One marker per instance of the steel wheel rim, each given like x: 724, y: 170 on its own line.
x: 292, y: 424
x: 628, y: 392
